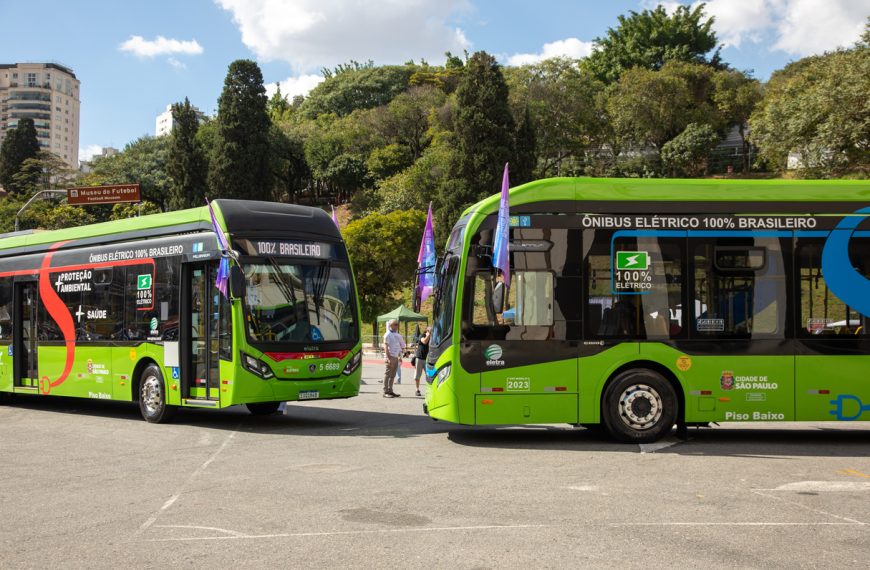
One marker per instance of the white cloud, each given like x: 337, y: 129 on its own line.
x: 738, y: 21
x: 571, y: 47
x: 797, y: 27
x: 176, y: 64
x: 140, y: 47
x: 310, y: 34
x: 813, y: 26
x: 89, y: 152
x: 293, y: 86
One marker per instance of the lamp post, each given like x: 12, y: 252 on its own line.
x: 35, y: 196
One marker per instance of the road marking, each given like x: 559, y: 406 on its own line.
x: 853, y: 472
x: 171, y: 500
x: 823, y: 486
x: 223, y: 530
x: 801, y: 505
x: 581, y: 488
x: 659, y: 445
x: 350, y: 532
x: 232, y: 535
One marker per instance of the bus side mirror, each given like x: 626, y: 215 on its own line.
x: 237, y: 282
x: 498, y: 298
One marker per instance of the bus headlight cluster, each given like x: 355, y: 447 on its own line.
x: 443, y: 374
x: 353, y: 363
x: 256, y: 366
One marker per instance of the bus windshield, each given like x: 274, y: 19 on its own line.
x: 299, y: 302
x: 446, y: 301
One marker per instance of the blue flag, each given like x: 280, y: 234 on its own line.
x: 426, y: 260
x: 223, y: 273
x: 501, y: 258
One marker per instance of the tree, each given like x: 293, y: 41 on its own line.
x: 526, y: 158
x: 817, y: 107
x: 484, y: 135
x: 352, y: 87
x: 563, y: 103
x: 688, y: 153
x: 19, y: 145
x: 652, y: 38
x: 278, y: 106
x: 187, y: 165
x: 241, y: 166
x: 652, y: 107
x: 145, y: 161
x: 43, y: 171
x: 736, y: 95
x: 384, y: 257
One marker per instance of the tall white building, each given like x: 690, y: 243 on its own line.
x: 48, y: 93
x: 164, y: 122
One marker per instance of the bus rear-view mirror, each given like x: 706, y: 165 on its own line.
x: 498, y: 298
x: 237, y: 281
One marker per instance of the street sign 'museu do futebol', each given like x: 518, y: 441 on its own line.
x: 113, y: 194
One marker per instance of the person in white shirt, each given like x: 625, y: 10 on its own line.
x: 394, y: 347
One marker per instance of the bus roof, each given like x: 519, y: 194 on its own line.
x: 242, y: 216
x: 680, y: 190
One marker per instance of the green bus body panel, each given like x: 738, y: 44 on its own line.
x: 107, y: 372
x: 711, y: 388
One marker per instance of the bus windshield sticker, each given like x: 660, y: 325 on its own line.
x: 144, y: 292
x: 632, y: 273
x: 710, y: 325
x: 493, y: 354
x: 520, y: 221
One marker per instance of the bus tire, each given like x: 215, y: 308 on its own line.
x: 6, y: 397
x: 639, y: 406
x: 152, y: 396
x: 263, y: 408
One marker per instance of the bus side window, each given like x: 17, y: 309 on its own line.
x: 6, y: 309
x: 739, y: 288
x: 822, y: 313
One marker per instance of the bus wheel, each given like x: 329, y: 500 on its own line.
x: 6, y: 397
x: 263, y: 408
x: 639, y: 406
x: 152, y: 396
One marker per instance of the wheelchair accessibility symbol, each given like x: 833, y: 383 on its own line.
x: 175, y: 374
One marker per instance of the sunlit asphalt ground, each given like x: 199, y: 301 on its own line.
x: 372, y: 482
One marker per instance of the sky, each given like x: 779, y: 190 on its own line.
x: 135, y: 57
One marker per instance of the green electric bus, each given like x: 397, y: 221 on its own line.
x: 637, y: 305
x: 130, y: 310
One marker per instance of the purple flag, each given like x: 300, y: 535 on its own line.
x: 223, y: 273
x: 334, y: 219
x: 501, y: 258
x: 426, y: 260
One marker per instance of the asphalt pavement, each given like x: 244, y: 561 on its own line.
x: 370, y: 482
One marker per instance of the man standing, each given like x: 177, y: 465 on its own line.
x: 394, y: 347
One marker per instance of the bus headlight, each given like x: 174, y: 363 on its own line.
x: 443, y: 374
x: 353, y: 363
x: 256, y: 366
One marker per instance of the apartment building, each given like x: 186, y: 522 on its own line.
x: 48, y: 93
x: 164, y: 122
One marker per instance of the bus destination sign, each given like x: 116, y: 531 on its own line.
x: 281, y: 248
x: 114, y: 194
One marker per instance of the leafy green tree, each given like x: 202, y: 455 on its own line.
x: 44, y: 171
x: 526, y: 159
x: 688, y: 153
x: 415, y: 186
x: 278, y: 107
x: 290, y: 170
x: 384, y: 254
x: 187, y: 166
x: 651, y: 107
x: 356, y: 87
x: 240, y: 166
x: 736, y: 96
x: 125, y: 211
x: 145, y: 161
x: 49, y: 215
x: 563, y: 102
x: 818, y: 107
x: 19, y: 145
x: 651, y: 38
x: 484, y: 134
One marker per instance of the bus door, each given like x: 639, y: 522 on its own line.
x: 200, y: 358
x: 24, y: 347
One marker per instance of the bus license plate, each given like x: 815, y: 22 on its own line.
x: 309, y: 394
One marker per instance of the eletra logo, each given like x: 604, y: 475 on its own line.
x: 493, y: 354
